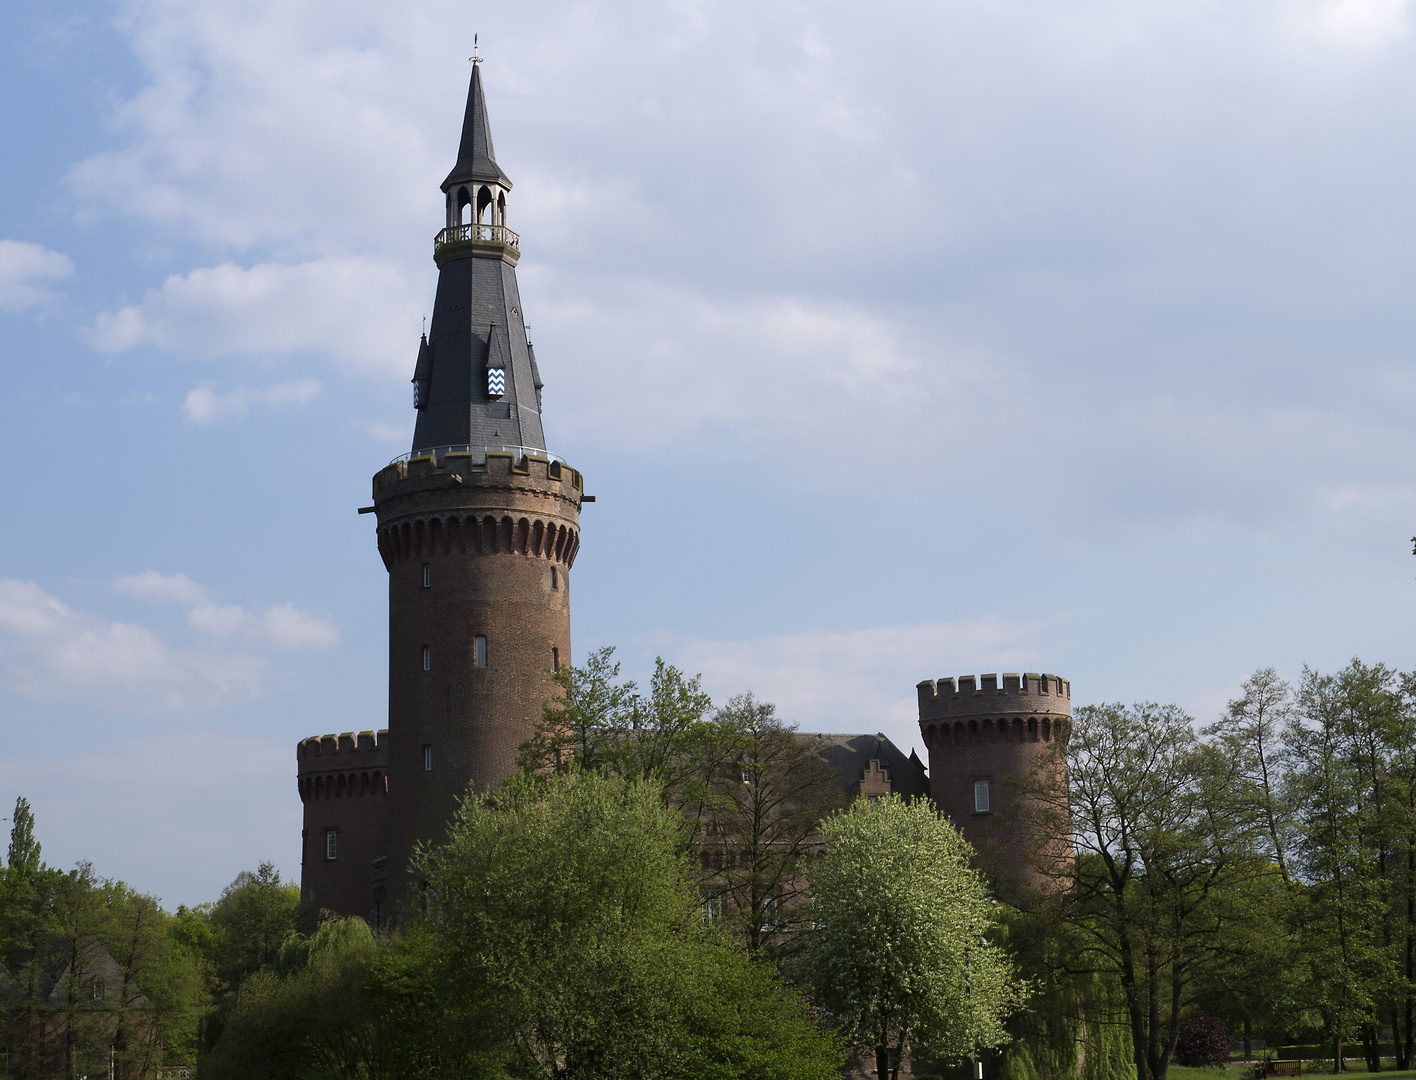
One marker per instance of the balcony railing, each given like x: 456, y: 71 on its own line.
x: 475, y: 234
x: 479, y: 453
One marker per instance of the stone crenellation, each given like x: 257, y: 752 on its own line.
x: 970, y: 694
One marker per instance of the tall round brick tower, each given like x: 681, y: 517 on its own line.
x: 478, y: 527
x: 983, y: 740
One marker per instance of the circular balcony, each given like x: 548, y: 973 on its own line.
x: 466, y: 239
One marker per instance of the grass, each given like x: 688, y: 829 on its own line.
x: 1237, y: 1069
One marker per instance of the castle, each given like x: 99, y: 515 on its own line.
x: 478, y: 527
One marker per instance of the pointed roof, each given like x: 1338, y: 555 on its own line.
x: 476, y: 160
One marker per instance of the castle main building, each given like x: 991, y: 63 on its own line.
x: 478, y: 527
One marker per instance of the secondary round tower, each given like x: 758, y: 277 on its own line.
x: 983, y: 740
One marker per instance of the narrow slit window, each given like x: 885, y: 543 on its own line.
x: 980, y: 796
x: 331, y: 844
x: 427, y: 576
x: 428, y: 758
x: 555, y: 659
x: 479, y: 651
x: 427, y: 658
x: 555, y: 579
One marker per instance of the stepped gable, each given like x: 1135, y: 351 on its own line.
x: 851, y: 756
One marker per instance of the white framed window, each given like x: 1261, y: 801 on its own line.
x: 331, y: 844
x: 479, y: 650
x: 427, y: 575
x: 428, y: 758
x: 427, y: 658
x: 769, y: 914
x: 981, y: 797
x: 712, y: 907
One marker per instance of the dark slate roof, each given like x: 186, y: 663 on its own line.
x: 52, y: 982
x: 476, y: 325
x: 476, y: 160
x: 851, y: 753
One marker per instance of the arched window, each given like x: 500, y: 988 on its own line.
x: 464, y: 207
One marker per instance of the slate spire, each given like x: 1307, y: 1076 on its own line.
x: 476, y: 382
x: 476, y: 160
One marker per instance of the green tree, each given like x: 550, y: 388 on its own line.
x: 311, y: 1014
x: 23, y: 856
x: 900, y: 954
x: 566, y: 932
x: 1164, y: 850
x: 28, y: 930
x: 603, y: 723
x: 249, y: 923
x: 764, y: 796
x: 157, y: 995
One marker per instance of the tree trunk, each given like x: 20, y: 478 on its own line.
x: 1371, y: 1048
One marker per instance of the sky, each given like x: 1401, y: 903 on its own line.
x: 896, y: 341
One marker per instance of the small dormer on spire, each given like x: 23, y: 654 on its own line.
x: 477, y: 187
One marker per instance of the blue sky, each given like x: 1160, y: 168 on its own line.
x: 896, y: 341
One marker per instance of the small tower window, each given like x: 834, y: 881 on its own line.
x: 479, y: 651
x: 555, y: 579
x: 555, y: 659
x: 428, y: 758
x: 980, y: 796
x: 331, y: 844
x: 427, y: 576
x: 427, y: 658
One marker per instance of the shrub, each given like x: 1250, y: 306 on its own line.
x: 1204, y: 1040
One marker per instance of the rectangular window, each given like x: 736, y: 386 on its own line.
x: 555, y: 579
x: 427, y: 759
x: 479, y: 651
x: 555, y: 659
x: 331, y: 844
x: 712, y: 907
x: 980, y: 796
x: 427, y: 576
x: 427, y: 658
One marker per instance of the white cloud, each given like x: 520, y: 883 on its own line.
x: 52, y: 652
x: 152, y: 585
x: 361, y: 312
x: 26, y: 273
x: 282, y: 627
x: 1365, y: 23
x: 205, y: 405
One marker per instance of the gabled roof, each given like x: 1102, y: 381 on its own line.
x: 850, y: 754
x: 476, y: 160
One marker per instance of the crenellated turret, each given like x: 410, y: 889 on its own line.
x: 989, y: 746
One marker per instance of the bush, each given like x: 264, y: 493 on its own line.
x: 1204, y: 1040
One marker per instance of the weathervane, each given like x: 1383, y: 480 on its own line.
x: 474, y: 58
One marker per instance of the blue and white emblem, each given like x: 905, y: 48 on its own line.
x: 496, y: 382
